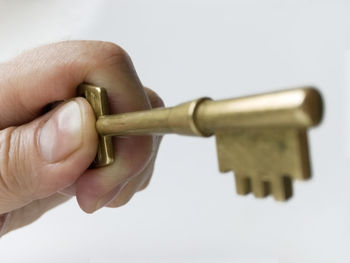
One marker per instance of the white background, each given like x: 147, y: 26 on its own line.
x: 184, y: 50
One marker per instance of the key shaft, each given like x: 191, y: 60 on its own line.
x: 203, y: 117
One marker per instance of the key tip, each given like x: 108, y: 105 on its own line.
x: 312, y: 105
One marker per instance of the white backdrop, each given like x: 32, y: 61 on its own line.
x: 184, y: 50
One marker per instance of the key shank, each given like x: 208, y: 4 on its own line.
x: 203, y: 117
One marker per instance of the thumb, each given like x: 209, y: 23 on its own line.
x: 46, y: 155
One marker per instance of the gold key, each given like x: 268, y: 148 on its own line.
x: 261, y: 138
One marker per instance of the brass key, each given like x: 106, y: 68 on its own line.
x: 261, y: 138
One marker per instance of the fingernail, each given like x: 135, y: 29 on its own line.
x: 61, y: 135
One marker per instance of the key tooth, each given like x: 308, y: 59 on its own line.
x: 260, y: 188
x: 305, y: 168
x: 281, y: 187
x: 243, y: 184
x: 263, y: 152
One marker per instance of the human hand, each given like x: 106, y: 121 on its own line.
x: 44, y: 157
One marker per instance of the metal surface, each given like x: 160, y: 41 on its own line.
x: 262, y: 138
x: 97, y: 97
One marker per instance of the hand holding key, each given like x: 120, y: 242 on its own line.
x: 44, y: 156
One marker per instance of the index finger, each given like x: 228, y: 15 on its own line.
x: 52, y: 73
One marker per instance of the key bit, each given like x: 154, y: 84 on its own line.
x: 261, y: 138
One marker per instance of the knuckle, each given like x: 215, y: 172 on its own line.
x: 147, y: 153
x: 113, y: 54
x: 121, y: 200
x: 144, y: 186
x: 155, y: 100
x: 129, y: 190
x: 148, y: 175
x: 137, y: 153
x: 11, y: 168
x: 75, y: 59
x: 6, y: 222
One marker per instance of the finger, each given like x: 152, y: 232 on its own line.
x: 31, y: 212
x: 154, y: 99
x: 110, y: 184
x: 144, y: 185
x: 127, y: 192
x: 141, y: 181
x: 46, y: 155
x: 156, y: 102
x: 52, y: 72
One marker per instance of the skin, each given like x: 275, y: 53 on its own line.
x: 30, y: 185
